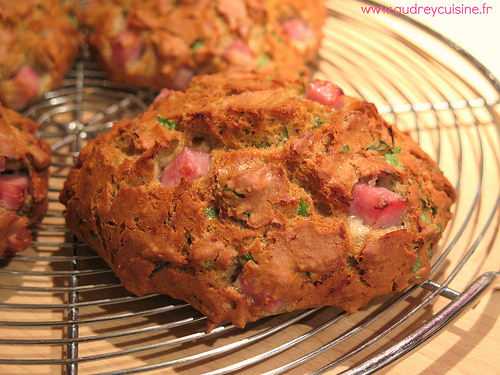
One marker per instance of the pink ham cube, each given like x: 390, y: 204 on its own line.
x: 296, y: 29
x: 12, y: 191
x: 239, y: 53
x: 126, y: 47
x: 377, y: 206
x: 187, y: 166
x: 326, y: 93
x: 28, y: 82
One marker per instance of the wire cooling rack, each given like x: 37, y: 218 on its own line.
x: 62, y: 310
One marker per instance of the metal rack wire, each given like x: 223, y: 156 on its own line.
x: 62, y: 309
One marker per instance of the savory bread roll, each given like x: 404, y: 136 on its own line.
x: 249, y: 195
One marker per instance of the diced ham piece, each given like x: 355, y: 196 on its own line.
x: 126, y: 47
x: 377, y: 206
x: 297, y: 29
x: 187, y: 166
x: 12, y: 191
x: 261, y: 298
x: 326, y: 93
x: 239, y: 53
x: 164, y: 93
x: 14, y: 233
x: 29, y: 83
x: 182, y: 78
x: 20, y: 239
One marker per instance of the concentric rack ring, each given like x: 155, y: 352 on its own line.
x: 62, y: 310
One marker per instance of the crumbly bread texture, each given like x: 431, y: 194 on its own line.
x: 24, y: 163
x: 163, y: 43
x: 38, y: 42
x: 247, y: 197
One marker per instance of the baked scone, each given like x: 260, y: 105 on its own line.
x: 24, y: 163
x: 248, y: 196
x: 163, y: 43
x: 38, y: 42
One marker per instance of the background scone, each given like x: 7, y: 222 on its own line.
x: 248, y: 196
x: 24, y: 163
x: 38, y: 42
x: 163, y: 43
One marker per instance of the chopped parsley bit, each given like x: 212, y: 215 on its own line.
x: 424, y: 218
x: 392, y: 159
x: 169, y: 124
x: 263, y: 144
x: 392, y: 156
x: 390, y: 153
x: 303, y: 209
x: 345, y: 149
x: 277, y: 36
x: 247, y: 214
x: 430, y: 252
x: 416, y: 267
x: 197, y: 44
x: 318, y: 122
x: 211, y: 213
x: 263, y: 60
x: 284, y: 134
x: 247, y: 257
x: 208, y: 264
x: 308, y: 274
x: 73, y: 19
x: 380, y: 146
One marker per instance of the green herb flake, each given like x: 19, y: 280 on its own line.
x: 380, y: 146
x: 392, y: 159
x: 263, y: 61
x: 208, y: 264
x: 277, y: 36
x: 169, y: 124
x: 430, y: 252
x: 303, y: 209
x: 284, y: 134
x: 73, y: 20
x: 424, y: 218
x: 263, y: 144
x: 211, y: 213
x: 247, y: 257
x: 197, y: 44
x: 390, y: 153
x: 345, y: 149
x: 417, y: 266
x: 318, y: 122
x: 247, y: 214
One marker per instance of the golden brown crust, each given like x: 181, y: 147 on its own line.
x: 269, y: 228
x: 39, y: 40
x: 161, y: 43
x: 22, y: 152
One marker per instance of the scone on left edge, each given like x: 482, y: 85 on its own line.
x: 24, y: 164
x: 39, y: 40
